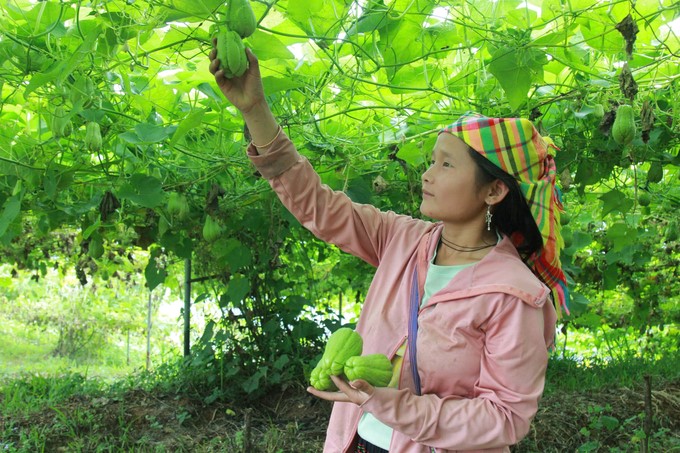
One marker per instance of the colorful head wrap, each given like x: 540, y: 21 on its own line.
x: 515, y: 146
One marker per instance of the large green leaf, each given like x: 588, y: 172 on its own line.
x: 61, y: 69
x: 621, y: 236
x: 318, y: 18
x: 267, y: 47
x: 153, y: 272
x: 10, y: 211
x: 189, y: 10
x: 190, y: 122
x: 516, y: 69
x: 144, y: 190
x: 615, y: 200
x: 237, y: 289
x: 398, y: 46
x: 146, y: 133
x: 231, y: 251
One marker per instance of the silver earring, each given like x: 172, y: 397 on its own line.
x: 488, y: 217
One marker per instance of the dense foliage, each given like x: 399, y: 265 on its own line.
x: 114, y: 138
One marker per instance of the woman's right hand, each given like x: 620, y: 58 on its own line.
x: 247, y: 94
x: 244, y: 92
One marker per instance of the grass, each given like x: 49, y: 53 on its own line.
x: 27, y: 349
x: 570, y: 376
x: 595, y: 360
x: 75, y: 414
x: 591, y: 403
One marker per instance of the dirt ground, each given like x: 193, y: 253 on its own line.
x: 293, y: 421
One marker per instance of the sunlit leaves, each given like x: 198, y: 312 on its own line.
x: 40, y: 19
x: 268, y: 47
x: 188, y: 10
x: 374, y: 17
x: 516, y: 70
x: 58, y: 72
x: 360, y: 87
x: 318, y: 18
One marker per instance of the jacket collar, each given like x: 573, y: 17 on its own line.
x: 489, y: 275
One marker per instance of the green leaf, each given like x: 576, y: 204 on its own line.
x: 610, y: 423
x: 578, y: 304
x: 209, y: 91
x: 191, y: 121
x: 276, y: 84
x: 550, y: 39
x: 154, y: 275
x: 281, y: 362
x: 615, y: 200
x: 621, y: 236
x: 599, y: 32
x: 147, y: 133
x: 43, y: 17
x: 253, y: 382
x: 590, y: 320
x: 610, y: 276
x: 318, y: 18
x: 178, y: 244
x: 188, y: 10
x: 10, y: 211
x: 143, y: 190
x: 268, y: 47
x: 232, y: 252
x: 153, y: 133
x: 237, y: 289
x: 63, y: 68
x: 581, y: 239
x: 374, y: 17
x: 398, y: 46
x: 91, y: 229
x: 412, y: 153
x: 360, y: 190
x: 208, y: 332
x: 516, y: 69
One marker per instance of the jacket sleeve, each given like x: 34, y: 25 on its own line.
x: 359, y: 229
x: 506, y: 395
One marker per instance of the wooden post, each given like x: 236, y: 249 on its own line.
x: 148, y: 334
x: 187, y: 307
x: 647, y: 424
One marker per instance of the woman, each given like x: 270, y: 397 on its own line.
x: 462, y: 306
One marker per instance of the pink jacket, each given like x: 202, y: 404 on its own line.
x: 482, y: 341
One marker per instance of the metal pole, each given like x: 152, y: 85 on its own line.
x: 187, y: 307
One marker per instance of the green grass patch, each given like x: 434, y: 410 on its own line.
x: 28, y: 349
x: 593, y: 401
x: 590, y: 360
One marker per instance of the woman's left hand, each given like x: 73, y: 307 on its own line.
x: 356, y: 392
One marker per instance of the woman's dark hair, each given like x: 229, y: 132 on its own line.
x: 511, y: 216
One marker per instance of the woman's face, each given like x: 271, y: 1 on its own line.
x: 450, y: 190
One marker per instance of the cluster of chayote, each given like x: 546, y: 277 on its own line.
x: 239, y: 23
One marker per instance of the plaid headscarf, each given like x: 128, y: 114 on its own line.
x: 515, y: 146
